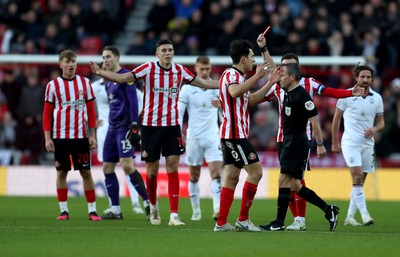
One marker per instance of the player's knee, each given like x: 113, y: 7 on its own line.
x: 128, y: 168
x: 85, y: 174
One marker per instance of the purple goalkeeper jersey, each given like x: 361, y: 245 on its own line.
x: 123, y: 103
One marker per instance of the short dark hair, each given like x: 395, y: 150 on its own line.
x: 363, y: 66
x: 239, y: 48
x: 293, y: 68
x: 163, y: 41
x: 290, y: 56
x: 68, y: 54
x: 203, y: 59
x: 112, y: 49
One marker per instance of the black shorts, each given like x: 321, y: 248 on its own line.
x: 294, y: 155
x: 307, y: 167
x: 161, y: 140
x: 239, y: 152
x: 75, y: 150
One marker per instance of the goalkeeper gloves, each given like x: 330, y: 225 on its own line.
x: 133, y: 134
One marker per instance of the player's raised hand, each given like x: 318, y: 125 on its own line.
x: 261, y: 70
x: 358, y: 91
x: 275, y: 74
x: 94, y: 67
x: 261, y: 41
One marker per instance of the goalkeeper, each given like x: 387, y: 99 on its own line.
x: 122, y: 135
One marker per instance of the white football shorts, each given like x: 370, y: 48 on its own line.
x: 198, y: 150
x: 359, y: 156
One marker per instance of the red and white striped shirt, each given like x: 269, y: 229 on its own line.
x: 235, y: 124
x: 69, y: 98
x: 311, y: 86
x: 161, y: 92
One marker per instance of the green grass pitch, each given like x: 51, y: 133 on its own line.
x: 28, y: 227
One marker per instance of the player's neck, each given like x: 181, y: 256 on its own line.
x: 165, y: 65
x: 68, y: 76
x: 239, y: 67
x: 116, y: 68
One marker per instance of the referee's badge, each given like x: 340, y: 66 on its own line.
x: 288, y: 111
x: 309, y: 105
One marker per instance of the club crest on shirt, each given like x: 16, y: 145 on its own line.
x: 288, y: 111
x: 309, y: 105
x: 174, y: 81
x: 81, y: 92
x: 130, y: 83
x: 252, y: 156
x: 371, y: 100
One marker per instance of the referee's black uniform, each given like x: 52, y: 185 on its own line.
x: 298, y: 107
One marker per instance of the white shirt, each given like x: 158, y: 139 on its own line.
x: 359, y: 114
x: 203, y: 117
x: 101, y: 100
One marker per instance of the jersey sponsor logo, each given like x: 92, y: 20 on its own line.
x: 173, y: 92
x: 73, y: 102
x: 309, y: 105
x: 78, y: 104
x: 288, y: 111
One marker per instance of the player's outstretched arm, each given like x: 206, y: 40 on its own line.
x: 112, y: 76
x: 274, y: 76
x: 207, y: 84
x: 237, y: 90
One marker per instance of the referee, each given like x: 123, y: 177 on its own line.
x: 298, y: 108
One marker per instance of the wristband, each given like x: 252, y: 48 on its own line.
x: 320, y: 143
x: 263, y: 49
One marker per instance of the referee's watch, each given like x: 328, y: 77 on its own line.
x: 320, y: 143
